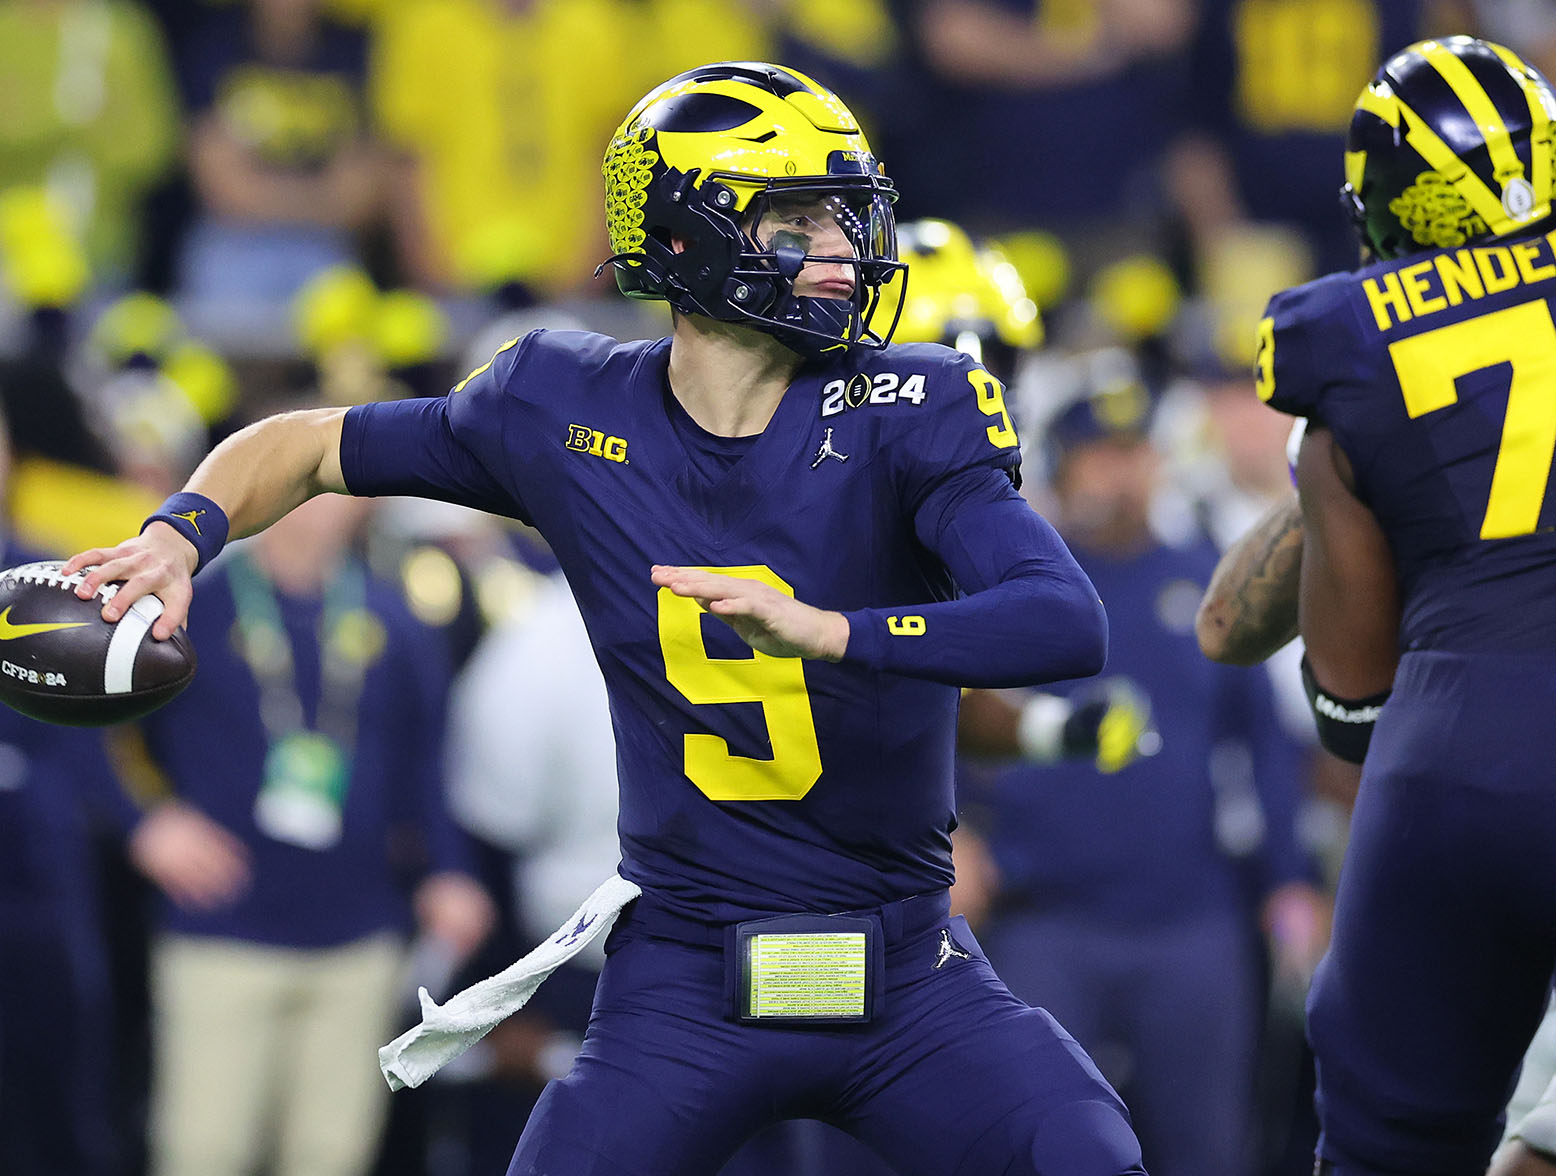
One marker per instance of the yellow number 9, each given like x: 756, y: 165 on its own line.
x: 776, y: 683
x: 991, y: 402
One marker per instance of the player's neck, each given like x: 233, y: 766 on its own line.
x: 728, y: 378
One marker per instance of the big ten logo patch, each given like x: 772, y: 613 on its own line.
x: 592, y: 441
x: 860, y: 389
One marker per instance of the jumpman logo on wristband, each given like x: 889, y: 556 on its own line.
x: 189, y: 516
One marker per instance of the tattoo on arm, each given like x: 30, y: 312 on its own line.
x: 1250, y: 609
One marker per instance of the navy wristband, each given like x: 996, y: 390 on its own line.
x: 197, y: 519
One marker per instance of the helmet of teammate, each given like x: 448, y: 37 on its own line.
x: 721, y: 183
x: 964, y: 296
x: 1449, y: 143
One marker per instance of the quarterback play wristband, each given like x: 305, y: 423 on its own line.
x: 197, y: 519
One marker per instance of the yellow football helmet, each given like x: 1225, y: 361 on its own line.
x: 715, y: 152
x: 1450, y: 142
x: 964, y: 296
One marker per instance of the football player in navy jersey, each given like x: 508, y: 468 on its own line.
x: 847, y: 510
x: 1428, y: 380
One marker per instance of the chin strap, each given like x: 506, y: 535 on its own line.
x: 814, y: 327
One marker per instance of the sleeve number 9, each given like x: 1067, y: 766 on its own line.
x: 991, y: 402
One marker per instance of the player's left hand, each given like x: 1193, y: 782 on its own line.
x: 766, y: 619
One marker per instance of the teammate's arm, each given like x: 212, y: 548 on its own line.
x: 1250, y: 609
x: 1348, y: 601
x: 255, y: 476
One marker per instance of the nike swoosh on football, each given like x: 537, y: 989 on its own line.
x: 10, y: 632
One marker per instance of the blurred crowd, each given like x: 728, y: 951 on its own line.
x: 395, y: 768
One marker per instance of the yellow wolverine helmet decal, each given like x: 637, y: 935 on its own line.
x: 1450, y: 142
x: 703, y: 179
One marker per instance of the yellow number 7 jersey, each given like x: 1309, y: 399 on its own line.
x: 1437, y: 374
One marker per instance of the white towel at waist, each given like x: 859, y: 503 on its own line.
x: 447, y: 1030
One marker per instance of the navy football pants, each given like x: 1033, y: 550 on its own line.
x: 1176, y: 1004
x: 1445, y: 919
x: 954, y: 1077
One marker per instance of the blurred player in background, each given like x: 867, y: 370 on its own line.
x: 968, y: 296
x: 305, y: 828
x: 1062, y: 110
x: 280, y: 153
x: 794, y: 762
x: 58, y: 1112
x: 1135, y: 898
x: 1425, y: 564
x: 1270, y: 95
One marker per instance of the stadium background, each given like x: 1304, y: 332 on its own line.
x: 212, y: 210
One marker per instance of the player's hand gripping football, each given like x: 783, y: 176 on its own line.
x: 766, y: 619
x: 157, y: 562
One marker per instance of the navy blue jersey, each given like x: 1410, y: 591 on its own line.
x: 1437, y: 375
x: 751, y: 784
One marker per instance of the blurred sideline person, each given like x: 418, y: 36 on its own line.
x: 1027, y: 84
x: 92, y: 115
x: 782, y: 764
x: 968, y: 296
x: 495, y: 110
x: 280, y: 151
x: 1136, y: 902
x: 306, y: 791
x: 58, y: 1114
x: 1424, y: 601
x: 1270, y: 96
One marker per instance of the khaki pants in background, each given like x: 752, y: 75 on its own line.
x: 265, y: 1058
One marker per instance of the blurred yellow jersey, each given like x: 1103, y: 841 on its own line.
x: 63, y: 509
x: 508, y: 113
x: 678, y: 35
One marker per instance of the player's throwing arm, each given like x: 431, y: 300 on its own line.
x: 246, y: 483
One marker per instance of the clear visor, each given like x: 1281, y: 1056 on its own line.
x: 850, y: 224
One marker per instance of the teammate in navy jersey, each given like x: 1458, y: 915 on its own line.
x: 847, y: 510
x: 1428, y: 379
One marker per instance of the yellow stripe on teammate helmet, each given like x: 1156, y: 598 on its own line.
x: 1440, y: 157
x: 1379, y: 99
x: 1539, y: 126
x: 1505, y: 163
